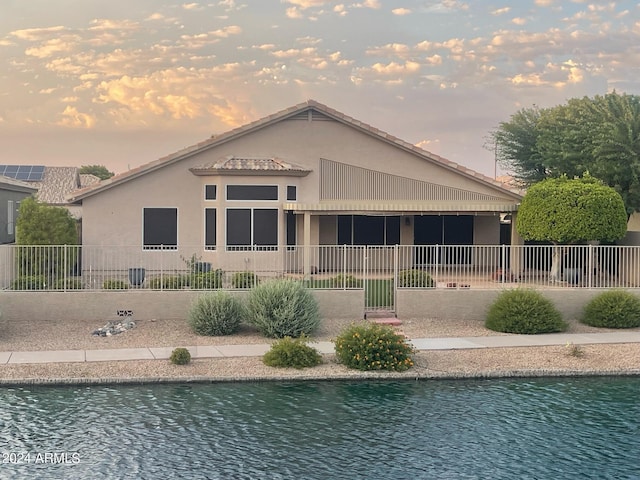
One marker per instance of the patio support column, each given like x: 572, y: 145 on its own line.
x: 306, y: 244
x: 516, y: 250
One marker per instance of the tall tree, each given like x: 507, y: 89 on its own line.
x: 99, y: 171
x: 515, y: 144
x: 600, y: 135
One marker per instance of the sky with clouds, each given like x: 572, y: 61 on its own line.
x: 122, y: 83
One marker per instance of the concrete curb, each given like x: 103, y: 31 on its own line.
x: 357, y: 376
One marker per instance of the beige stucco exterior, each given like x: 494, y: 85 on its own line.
x: 342, y: 167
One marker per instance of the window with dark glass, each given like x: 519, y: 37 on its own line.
x: 210, y: 192
x: 210, y: 228
x: 248, y: 227
x: 292, y: 193
x: 265, y: 227
x: 368, y: 230
x: 392, y: 230
x: 239, y: 226
x: 160, y: 228
x: 345, y: 230
x: 291, y: 229
x: 252, y: 192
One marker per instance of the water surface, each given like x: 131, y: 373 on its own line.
x: 491, y: 429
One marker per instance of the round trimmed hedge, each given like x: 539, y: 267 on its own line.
x: 613, y: 309
x: 282, y: 308
x: 215, y: 314
x: 292, y: 352
x: 525, y: 312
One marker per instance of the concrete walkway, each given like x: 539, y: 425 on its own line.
x: 255, y: 350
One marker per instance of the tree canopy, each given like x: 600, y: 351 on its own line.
x: 565, y: 211
x: 40, y: 224
x: 99, y: 171
x: 600, y: 135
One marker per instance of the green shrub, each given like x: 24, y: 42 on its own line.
x: 207, y: 281
x: 283, y: 308
x: 180, y: 356
x: 215, y: 314
x: 346, y: 281
x: 415, y: 278
x: 244, y: 280
x: 168, y: 282
x: 613, y: 309
x: 29, y: 282
x: 68, y: 283
x: 524, y: 311
x: 370, y: 346
x: 114, y: 284
x: 292, y: 352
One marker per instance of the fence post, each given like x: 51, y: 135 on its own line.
x: 161, y: 270
x: 344, y: 266
x: 437, y: 257
x: 590, y: 267
x: 365, y: 270
x: 503, y: 262
x: 396, y: 257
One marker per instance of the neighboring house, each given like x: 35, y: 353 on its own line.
x: 308, y: 175
x: 58, y: 182
x: 52, y: 184
x: 12, y: 192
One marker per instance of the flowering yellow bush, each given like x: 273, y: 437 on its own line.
x: 370, y: 346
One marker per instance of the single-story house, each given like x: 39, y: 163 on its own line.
x: 305, y: 176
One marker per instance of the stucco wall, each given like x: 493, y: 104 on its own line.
x: 92, y: 308
x: 473, y: 305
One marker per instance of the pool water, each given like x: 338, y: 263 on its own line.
x: 554, y: 428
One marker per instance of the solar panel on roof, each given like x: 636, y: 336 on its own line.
x: 29, y: 173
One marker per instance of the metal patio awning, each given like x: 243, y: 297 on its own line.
x: 396, y: 208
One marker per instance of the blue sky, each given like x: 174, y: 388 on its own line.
x: 122, y: 83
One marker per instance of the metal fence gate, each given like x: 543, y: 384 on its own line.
x: 380, y: 271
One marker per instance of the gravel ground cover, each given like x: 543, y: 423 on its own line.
x: 67, y: 335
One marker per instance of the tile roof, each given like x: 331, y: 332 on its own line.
x: 56, y: 182
x: 309, y: 105
x: 253, y: 164
x: 87, y: 179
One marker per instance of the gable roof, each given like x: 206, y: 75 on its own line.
x: 310, y: 108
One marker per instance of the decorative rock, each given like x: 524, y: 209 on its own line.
x: 113, y: 328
